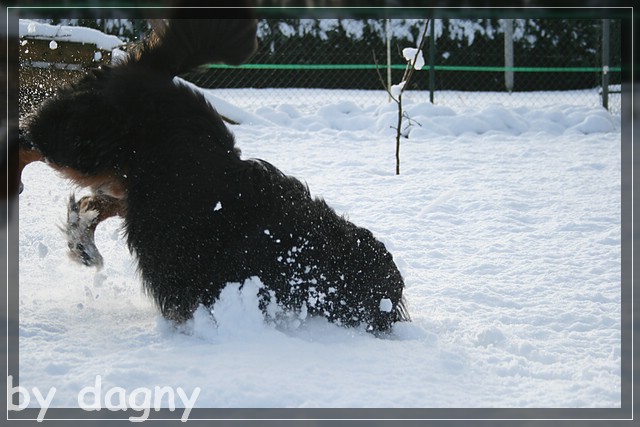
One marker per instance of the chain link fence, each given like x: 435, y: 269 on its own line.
x: 558, y: 60
x: 323, y: 61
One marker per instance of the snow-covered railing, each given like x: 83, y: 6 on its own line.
x: 53, y: 55
x: 64, y: 47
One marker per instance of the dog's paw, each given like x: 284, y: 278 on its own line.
x: 86, y: 255
x: 79, y: 230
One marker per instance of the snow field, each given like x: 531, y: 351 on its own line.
x: 505, y: 223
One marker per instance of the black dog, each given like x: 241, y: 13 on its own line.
x: 198, y: 216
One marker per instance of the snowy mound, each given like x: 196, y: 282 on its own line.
x: 428, y: 120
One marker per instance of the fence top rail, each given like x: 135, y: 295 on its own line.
x: 402, y: 67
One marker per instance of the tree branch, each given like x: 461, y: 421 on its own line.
x: 388, y: 89
x: 411, y: 66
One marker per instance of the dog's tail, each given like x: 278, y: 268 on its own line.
x: 179, y: 45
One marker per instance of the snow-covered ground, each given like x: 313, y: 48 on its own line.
x: 505, y: 223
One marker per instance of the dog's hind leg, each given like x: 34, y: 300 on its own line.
x: 83, y: 217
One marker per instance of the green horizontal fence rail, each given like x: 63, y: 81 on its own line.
x: 565, y: 55
x: 402, y: 67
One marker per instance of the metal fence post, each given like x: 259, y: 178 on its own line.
x: 605, y: 63
x: 387, y: 27
x: 432, y: 58
x: 508, y: 54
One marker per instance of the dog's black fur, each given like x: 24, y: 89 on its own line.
x: 198, y: 216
